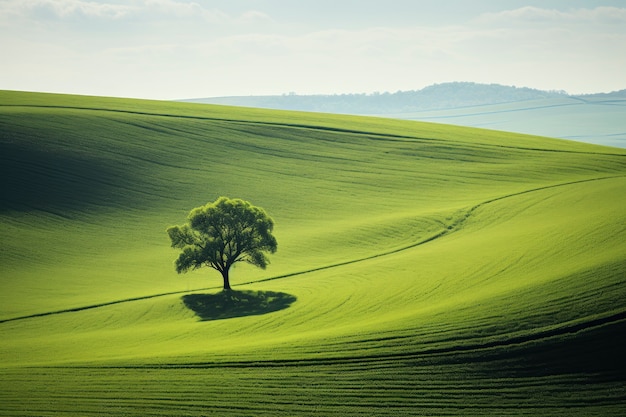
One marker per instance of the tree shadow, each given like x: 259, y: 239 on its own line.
x: 230, y: 303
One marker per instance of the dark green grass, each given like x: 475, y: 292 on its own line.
x: 525, y: 382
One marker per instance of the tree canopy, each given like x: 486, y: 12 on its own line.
x: 222, y: 233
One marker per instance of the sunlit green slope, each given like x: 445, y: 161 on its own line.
x: 436, y: 269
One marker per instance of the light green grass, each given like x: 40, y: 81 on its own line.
x: 437, y: 270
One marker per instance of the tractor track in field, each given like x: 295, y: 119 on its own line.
x: 467, y: 213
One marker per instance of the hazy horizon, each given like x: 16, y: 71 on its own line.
x: 169, y: 49
x: 460, y: 83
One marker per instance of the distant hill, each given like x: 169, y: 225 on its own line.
x: 438, y: 96
x: 595, y: 118
x: 621, y: 94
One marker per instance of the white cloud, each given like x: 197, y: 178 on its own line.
x: 143, y: 9
x: 255, y: 16
x: 62, y: 9
x: 180, y: 10
x: 536, y: 15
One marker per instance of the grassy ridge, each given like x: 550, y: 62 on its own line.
x: 435, y: 269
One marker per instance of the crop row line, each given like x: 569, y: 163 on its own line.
x: 416, y: 355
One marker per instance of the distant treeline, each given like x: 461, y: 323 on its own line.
x: 435, y: 97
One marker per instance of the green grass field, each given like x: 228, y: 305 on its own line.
x: 424, y: 269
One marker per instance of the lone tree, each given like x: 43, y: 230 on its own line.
x: 221, y: 234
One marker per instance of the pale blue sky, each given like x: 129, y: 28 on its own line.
x: 169, y: 49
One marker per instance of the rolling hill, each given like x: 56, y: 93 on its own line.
x: 430, y: 269
x: 592, y: 118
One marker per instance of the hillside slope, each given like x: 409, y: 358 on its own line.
x: 430, y: 269
x: 591, y: 118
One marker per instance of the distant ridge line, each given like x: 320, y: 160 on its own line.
x: 448, y: 95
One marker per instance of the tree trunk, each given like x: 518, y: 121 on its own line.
x: 226, y: 279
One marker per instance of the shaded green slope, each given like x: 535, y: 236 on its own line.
x: 421, y: 257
